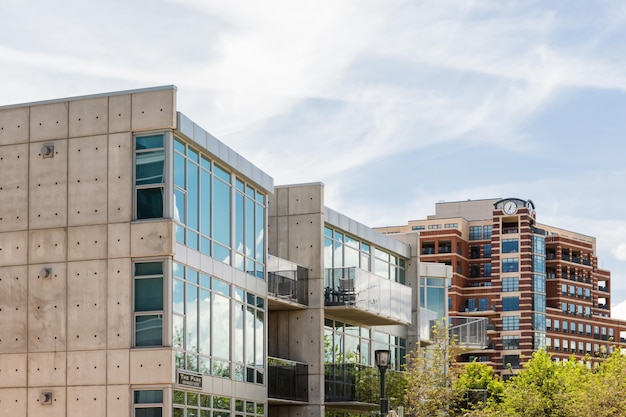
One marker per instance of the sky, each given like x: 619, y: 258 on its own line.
x: 394, y: 105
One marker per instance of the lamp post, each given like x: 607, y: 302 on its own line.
x: 382, y: 361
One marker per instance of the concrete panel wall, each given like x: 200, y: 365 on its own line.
x: 48, y: 186
x: 14, y: 125
x: 120, y: 177
x: 14, y: 187
x: 151, y: 110
x: 13, y: 310
x: 118, y: 401
x: 118, y: 240
x: 151, y: 366
x: 86, y: 305
x: 119, y: 113
x: 47, y: 308
x: 13, y: 248
x: 47, y: 369
x: 89, y: 117
x: 13, y: 402
x: 86, y: 401
x: 118, y: 371
x: 13, y: 370
x: 48, y: 121
x: 87, y: 180
x: 152, y: 238
x: 48, y: 245
x: 86, y: 367
x: 56, y: 409
x: 66, y: 240
x: 119, y: 303
x: 87, y: 242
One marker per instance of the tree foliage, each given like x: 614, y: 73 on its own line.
x: 430, y: 376
x: 436, y: 386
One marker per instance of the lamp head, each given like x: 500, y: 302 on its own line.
x: 382, y: 359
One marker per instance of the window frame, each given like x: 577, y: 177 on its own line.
x: 167, y: 183
x: 166, y: 312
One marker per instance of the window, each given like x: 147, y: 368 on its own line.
x: 476, y: 233
x: 487, y: 270
x: 510, y: 265
x: 483, y: 304
x: 217, y: 213
x: 510, y: 284
x: 420, y: 227
x: 487, y: 232
x: 510, y: 323
x: 511, y: 361
x: 434, y: 226
x: 510, y: 303
x: 510, y: 245
x: 218, y: 329
x: 149, y: 176
x: 148, y: 303
x: 565, y: 326
x: 474, y: 270
x: 510, y: 342
x: 148, y: 403
x: 557, y: 325
x: 451, y: 225
x: 487, y: 250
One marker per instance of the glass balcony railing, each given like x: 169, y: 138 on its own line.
x: 356, y: 288
x: 287, y: 280
x: 287, y: 380
x: 290, y: 285
x: 352, y: 382
x: 469, y: 332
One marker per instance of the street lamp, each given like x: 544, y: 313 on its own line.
x: 382, y: 361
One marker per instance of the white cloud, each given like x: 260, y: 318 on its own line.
x: 618, y: 311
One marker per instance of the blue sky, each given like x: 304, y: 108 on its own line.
x: 394, y: 105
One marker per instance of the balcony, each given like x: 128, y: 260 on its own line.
x: 287, y: 381
x: 352, y: 386
x: 360, y: 296
x: 287, y: 285
x: 469, y: 332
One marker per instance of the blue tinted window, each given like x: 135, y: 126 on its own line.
x: 510, y: 303
x: 148, y: 142
x: 149, y: 397
x: 149, y: 167
x: 149, y: 330
x: 149, y: 294
x: 150, y: 203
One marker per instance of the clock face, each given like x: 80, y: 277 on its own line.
x: 509, y: 207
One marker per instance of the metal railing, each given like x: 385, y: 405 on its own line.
x: 287, y: 379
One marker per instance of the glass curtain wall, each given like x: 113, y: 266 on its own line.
x: 539, y: 291
x: 218, y: 328
x: 344, y: 251
x: 218, y: 213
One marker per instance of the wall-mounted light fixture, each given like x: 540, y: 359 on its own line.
x: 45, y: 273
x: 47, y: 151
x: 45, y: 398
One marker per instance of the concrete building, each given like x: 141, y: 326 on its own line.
x: 132, y: 263
x: 147, y: 269
x: 538, y: 285
x: 339, y: 291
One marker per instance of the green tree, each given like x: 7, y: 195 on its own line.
x: 430, y: 376
x: 477, y: 386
